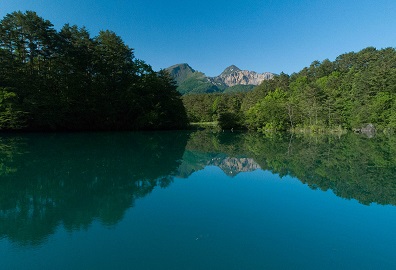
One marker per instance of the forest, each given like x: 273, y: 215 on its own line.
x: 354, y: 90
x: 69, y: 80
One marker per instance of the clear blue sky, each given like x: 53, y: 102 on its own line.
x: 260, y: 35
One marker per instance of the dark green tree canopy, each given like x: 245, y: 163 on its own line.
x: 68, y: 80
x: 351, y: 92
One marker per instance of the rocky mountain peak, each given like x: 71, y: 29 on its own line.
x: 192, y: 81
x: 245, y: 77
x: 229, y: 70
x: 233, y: 75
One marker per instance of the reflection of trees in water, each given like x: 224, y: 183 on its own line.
x: 352, y: 166
x: 10, y: 148
x: 73, y: 179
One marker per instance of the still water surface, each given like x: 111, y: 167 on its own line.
x: 178, y: 200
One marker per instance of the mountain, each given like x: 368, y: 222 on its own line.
x: 231, y: 69
x: 190, y: 81
x: 234, y: 76
x: 231, y: 80
x: 180, y: 72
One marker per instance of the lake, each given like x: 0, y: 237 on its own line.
x: 197, y: 200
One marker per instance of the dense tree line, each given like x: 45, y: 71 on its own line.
x: 68, y: 80
x: 348, y: 93
x: 223, y: 108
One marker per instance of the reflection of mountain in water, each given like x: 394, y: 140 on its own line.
x: 71, y: 180
x: 194, y: 161
x: 352, y: 166
x: 232, y: 166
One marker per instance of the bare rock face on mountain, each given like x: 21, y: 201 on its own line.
x: 192, y: 81
x: 243, y: 77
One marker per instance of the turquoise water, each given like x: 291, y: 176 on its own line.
x: 178, y: 200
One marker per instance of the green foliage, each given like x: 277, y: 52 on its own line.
x: 269, y: 114
x: 229, y: 120
x: 202, y: 107
x: 354, y: 90
x: 68, y: 80
x: 11, y: 117
x: 348, y: 93
x: 239, y: 89
x: 197, y: 83
x: 212, y: 107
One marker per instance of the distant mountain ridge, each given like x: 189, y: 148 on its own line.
x: 232, y: 79
x: 232, y: 76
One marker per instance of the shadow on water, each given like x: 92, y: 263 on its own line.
x: 48, y: 180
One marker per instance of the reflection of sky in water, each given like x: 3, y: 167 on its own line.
x: 250, y: 221
x: 157, y: 205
